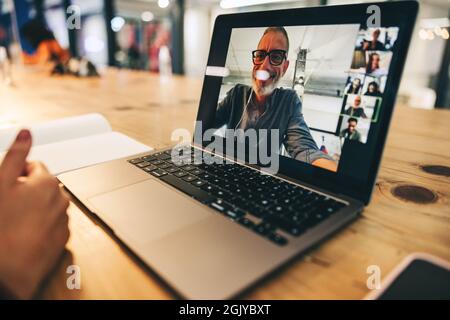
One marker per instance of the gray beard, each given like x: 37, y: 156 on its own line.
x: 266, y: 90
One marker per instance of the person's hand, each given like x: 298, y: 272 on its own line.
x: 365, y: 45
x: 33, y: 220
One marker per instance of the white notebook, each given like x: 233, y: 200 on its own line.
x: 71, y: 143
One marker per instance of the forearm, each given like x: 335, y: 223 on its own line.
x: 305, y: 149
x: 301, y: 146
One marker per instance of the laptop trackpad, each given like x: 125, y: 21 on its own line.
x: 146, y: 211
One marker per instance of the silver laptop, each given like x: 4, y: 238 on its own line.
x: 292, y: 121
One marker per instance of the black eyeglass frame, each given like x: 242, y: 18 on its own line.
x: 284, y: 52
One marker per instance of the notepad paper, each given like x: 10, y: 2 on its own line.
x: 72, y: 143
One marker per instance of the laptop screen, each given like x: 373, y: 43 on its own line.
x: 320, y: 87
x: 307, y: 92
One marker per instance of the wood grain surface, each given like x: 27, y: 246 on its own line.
x: 409, y: 211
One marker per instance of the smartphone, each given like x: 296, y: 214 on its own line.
x: 419, y: 276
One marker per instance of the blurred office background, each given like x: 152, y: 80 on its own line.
x: 138, y: 34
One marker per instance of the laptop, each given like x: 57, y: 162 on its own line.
x: 290, y: 130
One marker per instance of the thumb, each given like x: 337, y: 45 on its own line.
x: 14, y: 163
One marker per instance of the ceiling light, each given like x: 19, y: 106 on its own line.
x: 147, y: 16
x: 423, y: 34
x: 228, y: 4
x: 163, y: 3
x: 117, y: 23
x: 438, y: 31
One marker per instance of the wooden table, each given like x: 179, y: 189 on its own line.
x: 409, y: 211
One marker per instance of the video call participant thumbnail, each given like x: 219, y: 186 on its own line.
x: 374, y: 44
x: 356, y: 110
x: 373, y: 66
x: 264, y: 106
x: 373, y: 90
x: 354, y: 86
x: 351, y: 132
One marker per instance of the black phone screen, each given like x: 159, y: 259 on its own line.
x: 420, y: 280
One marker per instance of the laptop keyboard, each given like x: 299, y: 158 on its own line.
x: 265, y: 204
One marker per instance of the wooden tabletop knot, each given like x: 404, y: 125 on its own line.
x: 437, y: 170
x: 415, y: 194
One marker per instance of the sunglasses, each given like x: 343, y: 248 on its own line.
x: 276, y: 57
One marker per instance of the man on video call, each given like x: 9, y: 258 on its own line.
x: 264, y: 106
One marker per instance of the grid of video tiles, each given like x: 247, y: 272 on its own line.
x: 366, y: 82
